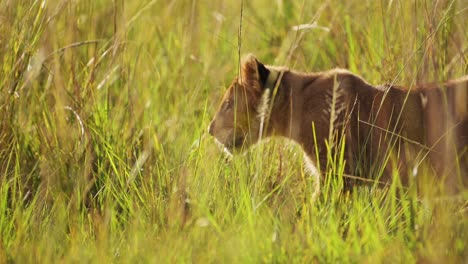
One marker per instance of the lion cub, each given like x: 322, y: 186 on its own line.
x: 385, y: 128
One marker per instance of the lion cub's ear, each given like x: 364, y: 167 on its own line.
x: 253, y: 73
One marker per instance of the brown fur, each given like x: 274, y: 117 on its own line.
x: 408, y: 125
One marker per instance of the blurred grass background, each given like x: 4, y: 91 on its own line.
x: 103, y: 152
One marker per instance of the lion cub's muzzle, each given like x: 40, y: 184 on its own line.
x: 227, y: 137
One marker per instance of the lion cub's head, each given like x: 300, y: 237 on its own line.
x: 236, y: 124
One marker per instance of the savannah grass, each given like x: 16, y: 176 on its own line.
x: 104, y: 155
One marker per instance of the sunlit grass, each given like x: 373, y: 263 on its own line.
x: 103, y: 148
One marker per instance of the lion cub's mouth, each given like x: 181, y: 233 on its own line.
x: 235, y: 144
x: 222, y: 147
x: 231, y: 145
x: 238, y: 142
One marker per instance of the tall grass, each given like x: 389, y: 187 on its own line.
x: 103, y: 152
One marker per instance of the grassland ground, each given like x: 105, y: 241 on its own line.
x: 104, y: 155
